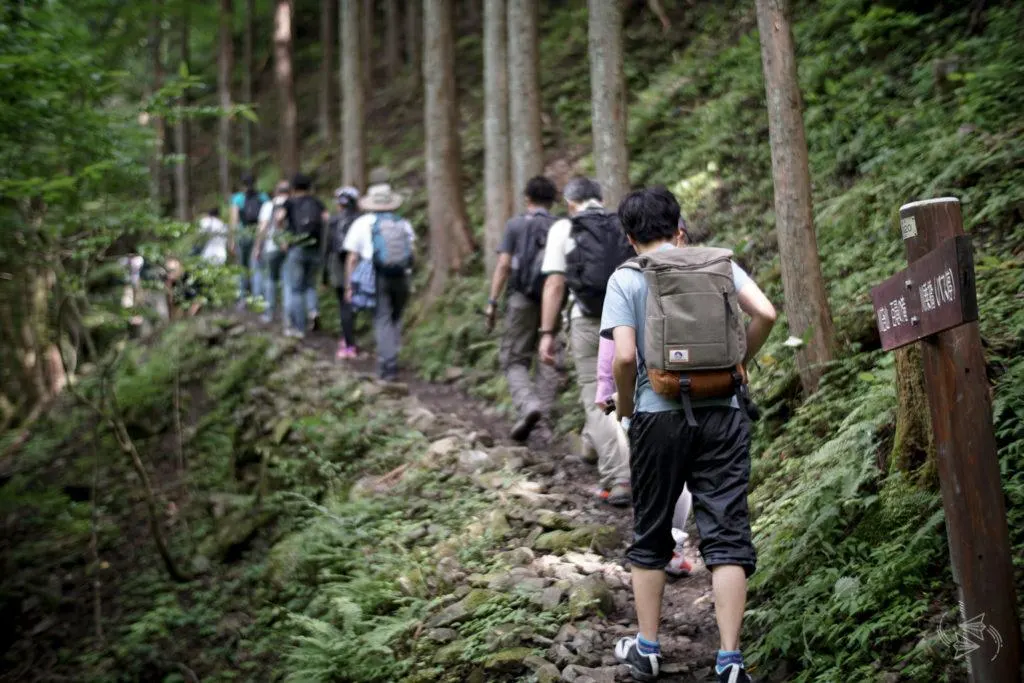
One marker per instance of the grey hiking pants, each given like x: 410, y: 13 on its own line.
x: 392, y: 295
x: 518, y: 352
x: 612, y: 456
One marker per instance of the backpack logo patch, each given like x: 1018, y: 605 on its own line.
x: 678, y: 355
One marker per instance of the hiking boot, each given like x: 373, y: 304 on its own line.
x: 619, y: 495
x: 679, y: 567
x: 314, y: 324
x: 641, y: 667
x: 734, y: 673
x: 294, y: 334
x: 521, y: 429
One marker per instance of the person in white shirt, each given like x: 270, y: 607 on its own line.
x: 267, y: 256
x: 215, y: 251
x: 385, y: 275
x: 583, y: 198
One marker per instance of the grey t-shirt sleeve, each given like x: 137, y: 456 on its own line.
x: 508, y: 242
x: 619, y: 310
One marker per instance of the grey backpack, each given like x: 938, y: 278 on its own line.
x: 694, y: 336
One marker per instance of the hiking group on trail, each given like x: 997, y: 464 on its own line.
x: 660, y: 332
x: 660, y: 348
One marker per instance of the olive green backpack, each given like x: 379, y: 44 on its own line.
x: 694, y: 336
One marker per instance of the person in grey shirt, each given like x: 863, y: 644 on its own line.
x: 519, y: 258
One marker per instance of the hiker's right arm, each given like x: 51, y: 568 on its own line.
x: 498, y: 280
x: 554, y: 293
x: 624, y: 370
x: 762, y: 314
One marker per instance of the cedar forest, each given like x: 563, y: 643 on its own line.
x: 204, y: 499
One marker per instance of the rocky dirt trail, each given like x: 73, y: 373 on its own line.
x: 554, y: 503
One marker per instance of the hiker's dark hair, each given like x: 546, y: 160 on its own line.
x: 541, y: 191
x: 302, y: 182
x: 581, y: 189
x: 214, y: 212
x: 649, y: 215
x: 248, y: 180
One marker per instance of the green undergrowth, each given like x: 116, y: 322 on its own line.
x: 902, y: 102
x: 326, y: 540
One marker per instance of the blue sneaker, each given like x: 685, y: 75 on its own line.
x: 734, y: 673
x: 641, y: 667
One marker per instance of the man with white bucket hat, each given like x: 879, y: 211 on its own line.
x: 379, y: 245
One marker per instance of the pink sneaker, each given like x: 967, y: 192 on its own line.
x: 346, y: 352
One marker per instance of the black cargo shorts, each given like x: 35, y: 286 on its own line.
x: 713, y: 459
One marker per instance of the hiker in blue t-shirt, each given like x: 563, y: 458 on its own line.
x: 676, y: 442
x: 245, y: 218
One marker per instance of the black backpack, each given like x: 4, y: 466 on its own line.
x: 250, y: 213
x: 306, y: 219
x: 337, y: 229
x: 529, y: 255
x: 601, y: 247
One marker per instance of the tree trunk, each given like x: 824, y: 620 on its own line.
x: 394, y: 53
x: 413, y: 48
x: 366, y: 43
x: 247, y: 69
x: 497, y: 168
x: 445, y: 204
x: 913, y: 445
x: 326, y: 71
x: 182, y: 179
x: 354, y: 96
x: 156, y: 169
x: 806, y: 302
x: 608, y: 100
x: 524, y: 96
x: 289, y: 150
x: 225, y: 65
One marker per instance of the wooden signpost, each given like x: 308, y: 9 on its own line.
x: 933, y: 301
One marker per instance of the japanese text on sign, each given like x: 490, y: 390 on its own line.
x: 938, y: 291
x: 893, y: 314
x: 933, y: 294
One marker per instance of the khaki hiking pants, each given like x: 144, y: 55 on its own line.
x: 612, y: 457
x: 518, y: 352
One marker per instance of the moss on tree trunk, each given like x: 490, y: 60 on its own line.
x: 913, y: 448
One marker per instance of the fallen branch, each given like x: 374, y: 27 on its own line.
x: 116, y: 423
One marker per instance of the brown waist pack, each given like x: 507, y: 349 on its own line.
x: 703, y: 383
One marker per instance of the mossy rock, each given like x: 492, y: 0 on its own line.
x: 590, y: 596
x: 507, y: 660
x: 553, y: 521
x: 598, y: 536
x: 450, y: 653
x: 601, y: 537
x: 555, y: 541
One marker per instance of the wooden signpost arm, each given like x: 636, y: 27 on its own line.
x: 972, y: 494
